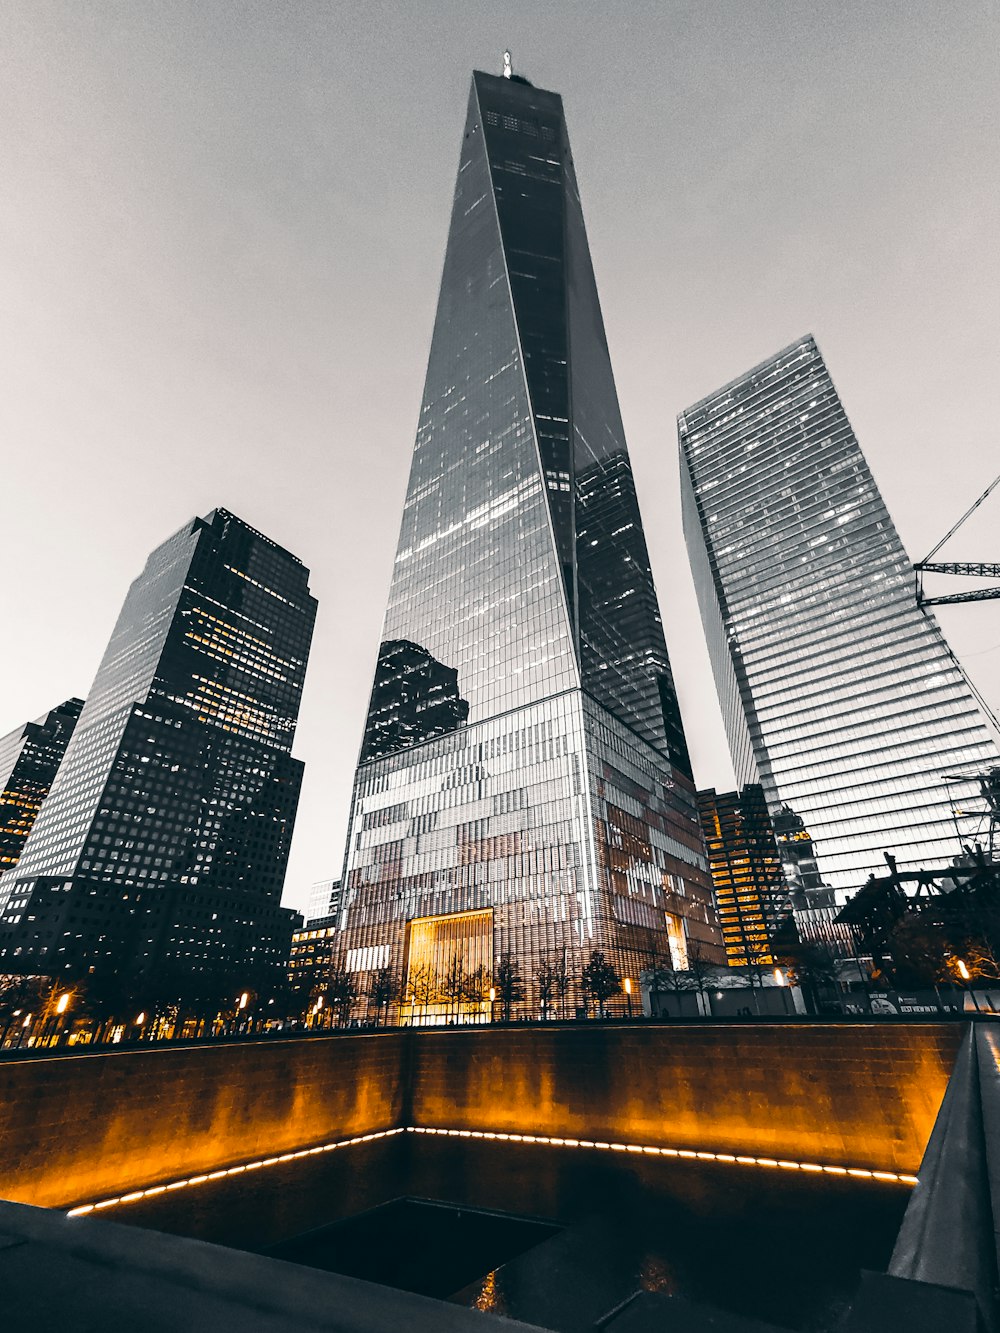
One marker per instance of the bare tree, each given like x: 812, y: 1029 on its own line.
x: 600, y: 980
x: 667, y: 980
x: 545, y: 981
x: 20, y: 998
x: 454, y: 984
x: 757, y: 952
x: 509, y: 984
x: 342, y: 991
x: 699, y: 965
x: 475, y: 986
x: 383, y: 990
x: 424, y: 987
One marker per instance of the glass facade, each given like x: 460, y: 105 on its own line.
x: 162, y: 846
x: 751, y: 894
x: 324, y: 900
x: 840, y: 696
x: 29, y: 758
x: 523, y: 754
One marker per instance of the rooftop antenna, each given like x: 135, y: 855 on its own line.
x: 508, y: 69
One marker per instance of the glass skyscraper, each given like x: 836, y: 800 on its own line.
x: 162, y: 846
x: 524, y: 785
x: 839, y: 695
x: 29, y: 758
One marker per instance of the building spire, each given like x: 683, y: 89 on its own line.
x: 508, y: 69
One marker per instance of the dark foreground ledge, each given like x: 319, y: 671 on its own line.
x: 94, y: 1276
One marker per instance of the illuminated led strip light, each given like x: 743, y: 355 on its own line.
x: 856, y: 1172
x: 135, y: 1195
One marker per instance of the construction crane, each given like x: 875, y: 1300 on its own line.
x: 970, y: 570
x: 988, y: 779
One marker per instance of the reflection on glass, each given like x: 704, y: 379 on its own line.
x: 414, y: 698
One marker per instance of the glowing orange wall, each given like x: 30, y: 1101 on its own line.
x: 81, y: 1127
x: 858, y: 1095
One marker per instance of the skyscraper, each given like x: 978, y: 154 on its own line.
x: 324, y: 900
x: 523, y: 785
x: 751, y: 894
x: 839, y: 695
x: 29, y: 758
x: 161, y: 848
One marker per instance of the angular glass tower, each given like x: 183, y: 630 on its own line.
x: 839, y: 695
x: 524, y: 784
x: 29, y: 758
x: 161, y: 848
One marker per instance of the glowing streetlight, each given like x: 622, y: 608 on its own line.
x: 966, y: 975
x: 627, y: 984
x: 27, y: 1021
x: 62, y: 1004
x: 243, y: 1000
x: 140, y: 1020
x: 779, y: 976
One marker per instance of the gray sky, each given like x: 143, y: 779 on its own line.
x: 221, y: 232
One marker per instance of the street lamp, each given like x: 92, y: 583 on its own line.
x: 779, y: 976
x: 243, y: 1000
x: 62, y: 1004
x: 493, y: 997
x: 627, y: 983
x: 966, y: 975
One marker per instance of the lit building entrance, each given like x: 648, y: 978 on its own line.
x: 449, y: 969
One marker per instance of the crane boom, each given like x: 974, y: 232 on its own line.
x: 951, y: 531
x: 973, y: 570
x: 966, y: 568
x: 979, y: 595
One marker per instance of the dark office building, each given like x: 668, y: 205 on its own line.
x: 160, y: 852
x: 751, y: 895
x: 524, y: 784
x: 29, y: 758
x: 312, y: 955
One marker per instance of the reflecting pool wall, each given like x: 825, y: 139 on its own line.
x: 78, y: 1128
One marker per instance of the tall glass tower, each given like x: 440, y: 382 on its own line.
x: 29, y: 758
x: 523, y: 785
x: 839, y: 695
x: 161, y: 848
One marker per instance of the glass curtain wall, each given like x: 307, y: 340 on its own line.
x: 839, y: 695
x: 523, y: 754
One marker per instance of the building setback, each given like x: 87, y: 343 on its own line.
x: 160, y: 852
x: 751, y: 894
x: 524, y: 785
x: 840, y: 696
x: 29, y: 758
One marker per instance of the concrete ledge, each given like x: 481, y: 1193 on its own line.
x: 91, y: 1275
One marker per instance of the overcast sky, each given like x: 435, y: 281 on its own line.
x: 221, y: 232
